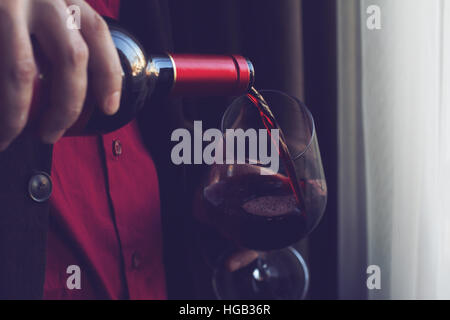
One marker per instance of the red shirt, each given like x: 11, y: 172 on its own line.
x: 105, y: 215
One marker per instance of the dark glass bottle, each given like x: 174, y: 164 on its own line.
x: 158, y: 74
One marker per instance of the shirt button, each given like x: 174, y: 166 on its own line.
x: 136, y: 260
x: 40, y: 187
x: 117, y: 148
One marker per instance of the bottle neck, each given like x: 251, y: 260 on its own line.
x: 200, y: 75
x: 180, y: 74
x: 161, y: 74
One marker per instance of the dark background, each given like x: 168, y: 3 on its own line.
x: 319, y: 30
x: 299, y: 61
x: 293, y: 49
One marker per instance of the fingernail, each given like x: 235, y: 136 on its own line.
x: 112, y: 103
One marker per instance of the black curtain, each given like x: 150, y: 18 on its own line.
x: 270, y: 34
x: 319, y: 29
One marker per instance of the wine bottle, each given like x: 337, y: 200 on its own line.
x: 158, y: 74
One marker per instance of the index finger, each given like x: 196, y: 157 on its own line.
x: 105, y: 70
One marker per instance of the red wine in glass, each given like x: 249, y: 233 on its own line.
x: 255, y: 211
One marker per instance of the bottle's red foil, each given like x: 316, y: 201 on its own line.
x: 214, y: 75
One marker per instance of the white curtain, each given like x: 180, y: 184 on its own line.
x: 394, y: 148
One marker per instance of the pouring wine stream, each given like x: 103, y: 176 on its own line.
x: 270, y: 122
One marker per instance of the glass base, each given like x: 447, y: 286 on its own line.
x: 275, y: 275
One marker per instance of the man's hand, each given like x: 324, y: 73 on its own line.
x: 73, y: 54
x: 240, y: 259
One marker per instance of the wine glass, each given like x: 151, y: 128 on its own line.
x: 261, y: 208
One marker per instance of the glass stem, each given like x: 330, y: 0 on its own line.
x: 263, y: 272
